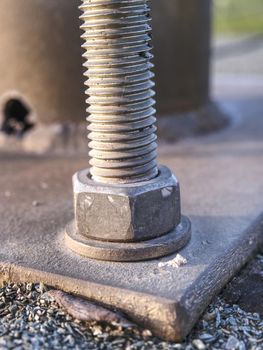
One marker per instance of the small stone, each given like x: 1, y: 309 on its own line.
x: 189, y: 347
x: 242, y: 346
x: 96, y: 331
x: 13, y: 309
x: 118, y: 341
x: 210, y: 316
x: 198, y: 344
x: 232, y: 321
x: 232, y: 343
x: 41, y: 288
x: 205, y: 336
x: 146, y: 333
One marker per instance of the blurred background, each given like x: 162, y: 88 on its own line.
x: 238, y: 41
x: 206, y: 52
x: 238, y: 17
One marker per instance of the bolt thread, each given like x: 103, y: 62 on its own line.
x: 122, y: 129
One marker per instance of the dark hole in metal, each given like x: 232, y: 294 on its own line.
x: 16, y: 118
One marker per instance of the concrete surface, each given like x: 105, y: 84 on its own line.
x: 221, y: 179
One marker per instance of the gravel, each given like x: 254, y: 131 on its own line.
x: 30, y: 321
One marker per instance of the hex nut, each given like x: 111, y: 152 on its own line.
x: 126, y: 213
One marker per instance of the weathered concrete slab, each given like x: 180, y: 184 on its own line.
x: 222, y: 192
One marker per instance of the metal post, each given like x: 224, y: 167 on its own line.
x: 126, y: 207
x: 182, y: 54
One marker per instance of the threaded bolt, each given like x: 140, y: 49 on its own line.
x: 141, y: 220
x: 117, y: 36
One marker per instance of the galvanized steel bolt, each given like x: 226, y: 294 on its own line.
x: 120, y: 90
x: 126, y: 206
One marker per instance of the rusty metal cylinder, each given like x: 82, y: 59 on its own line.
x: 117, y: 35
x: 182, y: 35
x: 40, y: 60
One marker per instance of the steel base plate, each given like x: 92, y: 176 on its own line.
x: 36, y: 205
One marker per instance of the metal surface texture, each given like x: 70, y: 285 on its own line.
x: 126, y: 213
x: 117, y: 36
x: 132, y: 251
x: 129, y: 222
x: 39, y: 67
x: 182, y: 40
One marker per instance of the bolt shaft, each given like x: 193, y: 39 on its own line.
x: 117, y: 36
